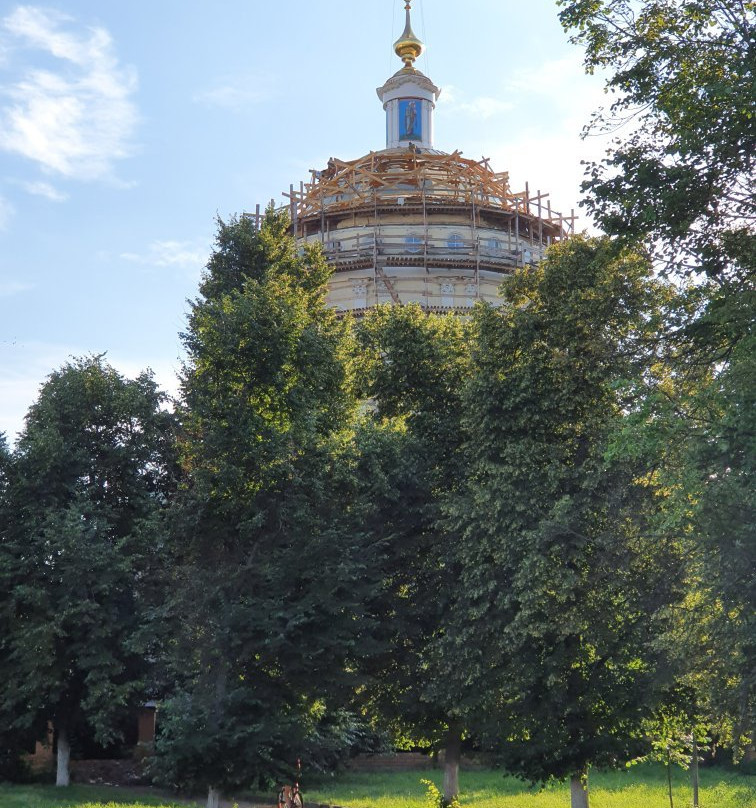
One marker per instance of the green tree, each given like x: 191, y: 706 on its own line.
x: 265, y: 599
x: 561, y: 577
x: 683, y: 71
x: 86, y: 486
x: 713, y: 479
x: 681, y: 177
x: 412, y: 368
x: 13, y: 742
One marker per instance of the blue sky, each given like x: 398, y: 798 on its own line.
x: 126, y: 127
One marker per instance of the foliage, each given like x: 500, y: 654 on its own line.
x: 264, y: 618
x: 725, y: 530
x: 12, y: 742
x: 412, y: 368
x: 86, y: 486
x: 561, y: 579
x: 680, y: 176
x: 435, y: 799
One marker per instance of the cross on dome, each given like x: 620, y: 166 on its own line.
x: 409, y: 97
x: 408, y: 47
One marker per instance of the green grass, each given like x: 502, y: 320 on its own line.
x: 640, y: 787
x: 79, y: 797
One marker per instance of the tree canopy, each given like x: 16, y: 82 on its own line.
x: 680, y: 176
x: 561, y: 576
x: 85, y: 489
x: 681, y: 73
x: 268, y: 585
x: 412, y: 367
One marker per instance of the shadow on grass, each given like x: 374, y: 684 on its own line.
x: 79, y: 796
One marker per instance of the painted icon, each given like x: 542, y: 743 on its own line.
x: 410, y: 123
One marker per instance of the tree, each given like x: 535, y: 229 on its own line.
x: 562, y: 578
x: 717, y: 506
x: 265, y: 598
x: 13, y: 742
x: 683, y: 174
x: 682, y: 179
x: 413, y: 367
x: 86, y: 486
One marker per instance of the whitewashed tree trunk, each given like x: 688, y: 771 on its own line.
x: 694, y: 773
x: 452, y: 755
x: 213, y: 797
x: 579, y: 791
x: 62, y: 776
x: 213, y: 793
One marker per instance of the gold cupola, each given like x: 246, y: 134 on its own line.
x: 409, y: 97
x: 408, y: 47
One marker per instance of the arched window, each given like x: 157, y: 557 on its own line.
x: 455, y: 242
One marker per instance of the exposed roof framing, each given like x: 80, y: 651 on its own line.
x: 411, y: 177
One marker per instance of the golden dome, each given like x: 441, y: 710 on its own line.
x: 408, y: 47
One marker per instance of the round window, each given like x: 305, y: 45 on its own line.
x: 455, y: 242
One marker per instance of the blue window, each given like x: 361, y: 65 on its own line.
x: 414, y: 244
x: 455, y: 242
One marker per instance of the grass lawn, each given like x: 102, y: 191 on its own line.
x: 640, y: 787
x: 79, y: 797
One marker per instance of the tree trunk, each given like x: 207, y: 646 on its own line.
x: 694, y: 773
x: 213, y: 797
x: 63, y: 777
x: 213, y: 793
x: 579, y: 790
x: 452, y: 754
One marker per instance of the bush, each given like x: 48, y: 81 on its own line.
x: 435, y: 798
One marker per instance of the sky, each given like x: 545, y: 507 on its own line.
x: 126, y: 128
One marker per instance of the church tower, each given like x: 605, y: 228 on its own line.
x: 409, y: 97
x: 409, y: 223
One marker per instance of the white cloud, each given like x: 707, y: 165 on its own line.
x: 235, y: 93
x: 78, y: 120
x: 482, y: 107
x: 44, y: 189
x: 550, y: 156
x: 6, y: 212
x: 179, y: 254
x: 8, y: 288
